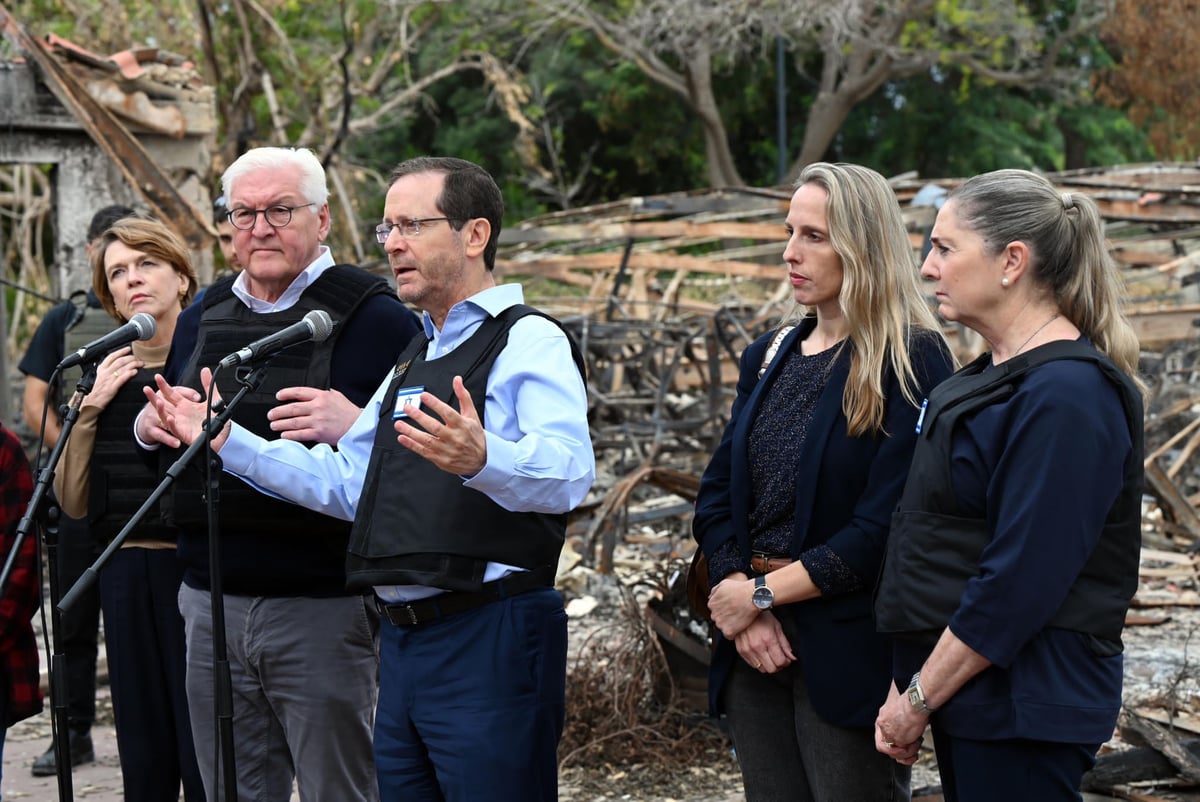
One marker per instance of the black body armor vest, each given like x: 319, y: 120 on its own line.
x: 933, y: 551
x: 256, y: 529
x: 416, y: 523
x: 120, y: 478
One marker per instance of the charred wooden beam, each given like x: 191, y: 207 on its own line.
x: 1173, y: 501
x: 143, y: 174
x: 1139, y: 730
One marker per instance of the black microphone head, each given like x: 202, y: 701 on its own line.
x: 145, y: 325
x: 321, y: 324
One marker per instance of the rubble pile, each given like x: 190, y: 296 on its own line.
x: 663, y: 295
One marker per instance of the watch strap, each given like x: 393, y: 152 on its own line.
x: 916, y: 695
x: 763, y: 597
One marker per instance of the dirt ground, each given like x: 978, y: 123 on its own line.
x: 101, y: 781
x: 1158, y: 665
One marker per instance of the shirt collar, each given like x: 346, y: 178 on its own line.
x: 299, y: 284
x: 489, y: 302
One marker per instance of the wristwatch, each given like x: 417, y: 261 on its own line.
x: 916, y: 695
x: 764, y: 597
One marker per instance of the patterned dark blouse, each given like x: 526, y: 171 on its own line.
x: 776, y: 448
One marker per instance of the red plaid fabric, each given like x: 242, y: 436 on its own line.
x: 18, y: 646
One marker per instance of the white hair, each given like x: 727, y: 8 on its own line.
x: 312, y: 175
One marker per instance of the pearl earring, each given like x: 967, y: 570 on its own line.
x: 1004, y: 282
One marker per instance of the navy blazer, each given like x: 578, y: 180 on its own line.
x: 846, y: 492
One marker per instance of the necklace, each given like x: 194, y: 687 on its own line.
x: 1036, y: 332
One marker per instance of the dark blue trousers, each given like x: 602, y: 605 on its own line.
x: 471, y: 706
x: 1001, y: 771
x: 143, y: 633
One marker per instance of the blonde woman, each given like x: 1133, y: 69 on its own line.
x: 1015, y: 550
x: 794, y: 507
x: 138, y: 266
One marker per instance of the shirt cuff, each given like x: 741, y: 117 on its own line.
x: 498, y: 467
x: 239, y: 450
x: 138, y: 440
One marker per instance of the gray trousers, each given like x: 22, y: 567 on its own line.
x: 787, y: 752
x: 304, y: 675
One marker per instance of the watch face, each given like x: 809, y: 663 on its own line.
x: 763, y: 597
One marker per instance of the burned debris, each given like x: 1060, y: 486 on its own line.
x: 664, y: 293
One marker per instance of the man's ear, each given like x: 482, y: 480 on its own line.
x: 325, y: 223
x: 477, y: 231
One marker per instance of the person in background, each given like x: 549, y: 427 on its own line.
x: 302, y: 647
x: 225, y: 232
x: 1015, y: 548
x: 21, y: 696
x: 64, y: 329
x: 458, y: 476
x: 190, y: 317
x: 794, y: 508
x: 137, y: 266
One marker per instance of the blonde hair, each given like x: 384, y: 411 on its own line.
x: 150, y: 237
x: 1068, y: 257
x: 881, y: 298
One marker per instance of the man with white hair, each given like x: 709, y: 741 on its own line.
x: 459, y: 475
x: 302, y: 649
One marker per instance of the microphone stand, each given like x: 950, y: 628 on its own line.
x: 222, y: 679
x: 222, y: 682
x: 59, y: 720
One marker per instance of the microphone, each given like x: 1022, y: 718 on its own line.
x: 140, y: 327
x: 316, y: 326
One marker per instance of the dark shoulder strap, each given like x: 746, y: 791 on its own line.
x: 219, y: 290
x: 78, y: 299
x: 975, y: 386
x: 490, y: 328
x: 517, y: 311
x: 344, y: 287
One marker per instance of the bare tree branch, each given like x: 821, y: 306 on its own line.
x: 408, y: 96
x: 860, y: 45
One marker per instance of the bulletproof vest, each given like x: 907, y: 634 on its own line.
x: 933, y: 550
x: 417, y: 524
x: 227, y: 325
x: 120, y: 478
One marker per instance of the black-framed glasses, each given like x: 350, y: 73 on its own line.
x: 409, y: 229
x: 276, y: 216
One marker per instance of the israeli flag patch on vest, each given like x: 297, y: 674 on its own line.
x: 406, y: 396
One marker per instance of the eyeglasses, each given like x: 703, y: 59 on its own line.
x: 276, y: 216
x: 409, y: 229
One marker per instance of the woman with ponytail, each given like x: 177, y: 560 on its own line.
x: 1014, y: 550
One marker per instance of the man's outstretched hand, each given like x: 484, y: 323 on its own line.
x: 180, y: 411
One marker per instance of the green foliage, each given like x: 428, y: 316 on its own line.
x: 945, y: 124
x: 595, y: 118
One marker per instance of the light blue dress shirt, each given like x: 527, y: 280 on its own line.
x: 539, y: 452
